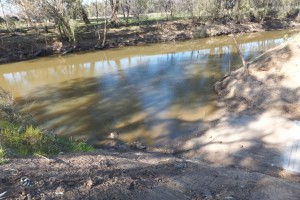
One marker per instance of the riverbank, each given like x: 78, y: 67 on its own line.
x: 257, y: 125
x: 18, y: 47
x: 248, y: 150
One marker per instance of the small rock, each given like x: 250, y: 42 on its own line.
x: 113, y: 135
x: 141, y: 146
x: 131, y: 186
x: 25, y: 181
x: 52, y: 180
x: 28, y: 197
x: 138, y: 145
x: 228, y: 198
x: 208, y: 196
x: 97, y: 180
x: 108, y: 163
x: 88, y: 185
x: 181, y: 165
x: 60, y: 191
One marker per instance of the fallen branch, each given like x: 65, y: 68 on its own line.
x: 68, y: 50
x: 245, y: 64
x: 2, y: 195
x: 41, y: 156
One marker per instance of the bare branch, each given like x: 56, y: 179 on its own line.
x: 245, y: 64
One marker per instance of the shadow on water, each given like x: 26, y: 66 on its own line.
x: 148, y: 94
x: 138, y: 102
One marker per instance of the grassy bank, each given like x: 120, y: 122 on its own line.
x: 21, y: 137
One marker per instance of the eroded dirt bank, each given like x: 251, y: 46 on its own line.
x: 246, y: 151
x: 19, y: 47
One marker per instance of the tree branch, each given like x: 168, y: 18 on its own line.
x: 245, y: 64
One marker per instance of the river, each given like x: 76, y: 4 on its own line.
x: 155, y: 92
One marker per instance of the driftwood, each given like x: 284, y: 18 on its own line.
x: 39, y: 53
x: 69, y: 50
x: 245, y: 64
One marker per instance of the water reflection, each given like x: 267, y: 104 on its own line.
x: 155, y: 92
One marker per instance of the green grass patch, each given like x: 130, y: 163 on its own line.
x: 70, y: 145
x: 32, y: 140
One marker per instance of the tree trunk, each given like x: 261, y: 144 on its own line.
x: 105, y: 25
x: 84, y: 16
x: 245, y: 64
x: 24, y: 8
x: 127, y: 14
x: 123, y: 11
x: 114, y: 4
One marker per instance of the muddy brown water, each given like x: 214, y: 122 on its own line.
x: 154, y: 92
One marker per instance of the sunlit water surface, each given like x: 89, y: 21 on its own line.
x: 155, y: 92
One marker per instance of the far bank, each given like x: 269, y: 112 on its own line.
x: 18, y: 47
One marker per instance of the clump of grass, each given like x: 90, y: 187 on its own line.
x: 33, y: 140
x: 71, y: 145
x: 21, y: 137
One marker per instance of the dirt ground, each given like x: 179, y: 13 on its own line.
x: 135, y: 175
x: 19, y: 46
x: 249, y: 150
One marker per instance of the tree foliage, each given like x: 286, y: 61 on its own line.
x: 64, y: 12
